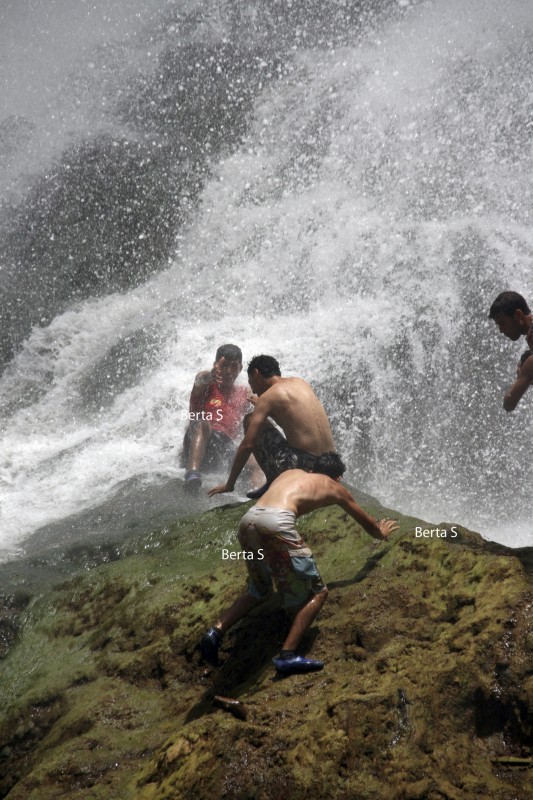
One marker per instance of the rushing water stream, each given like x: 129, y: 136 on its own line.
x: 346, y: 186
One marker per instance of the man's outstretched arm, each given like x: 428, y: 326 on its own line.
x: 245, y: 449
x: 518, y: 389
x: 379, y: 530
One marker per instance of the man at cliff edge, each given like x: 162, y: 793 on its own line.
x: 514, y: 319
x: 274, y: 551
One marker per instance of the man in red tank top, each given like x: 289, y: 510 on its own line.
x: 216, y: 411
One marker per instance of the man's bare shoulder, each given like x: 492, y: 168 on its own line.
x: 291, y: 386
x: 202, y: 379
x: 276, y: 391
x: 316, y: 490
x: 322, y: 484
x: 294, y: 381
x: 293, y: 477
x: 204, y: 373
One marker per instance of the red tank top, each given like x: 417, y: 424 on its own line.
x: 226, y: 407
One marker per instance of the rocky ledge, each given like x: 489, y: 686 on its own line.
x: 427, y: 690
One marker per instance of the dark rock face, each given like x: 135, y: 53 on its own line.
x: 105, y: 214
x: 427, y: 690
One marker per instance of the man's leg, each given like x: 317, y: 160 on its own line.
x: 289, y: 662
x: 198, y: 435
x: 259, y: 589
x: 210, y: 642
x: 300, y: 583
x: 304, y: 619
x: 239, y: 609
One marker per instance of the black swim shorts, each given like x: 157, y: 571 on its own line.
x: 275, y: 455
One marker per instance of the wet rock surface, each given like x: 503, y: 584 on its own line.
x: 427, y: 690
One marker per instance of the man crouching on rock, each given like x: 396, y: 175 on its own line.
x: 285, y: 557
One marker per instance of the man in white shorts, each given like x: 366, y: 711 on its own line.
x: 276, y: 552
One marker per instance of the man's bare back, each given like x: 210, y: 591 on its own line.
x: 293, y: 405
x: 302, y: 492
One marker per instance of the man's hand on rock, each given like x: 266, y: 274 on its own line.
x: 222, y: 488
x: 387, y: 526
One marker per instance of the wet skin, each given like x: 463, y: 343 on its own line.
x: 293, y: 405
x: 513, y: 327
x: 302, y: 492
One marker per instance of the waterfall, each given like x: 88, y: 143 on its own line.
x: 346, y: 187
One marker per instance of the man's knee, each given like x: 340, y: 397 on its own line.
x: 322, y: 596
x: 199, y: 426
x: 314, y: 600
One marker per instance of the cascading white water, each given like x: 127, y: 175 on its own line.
x: 358, y: 229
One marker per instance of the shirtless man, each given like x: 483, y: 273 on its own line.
x: 293, y: 405
x: 275, y: 550
x: 514, y: 319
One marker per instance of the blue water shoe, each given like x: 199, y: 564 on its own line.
x: 290, y: 664
x: 193, y: 480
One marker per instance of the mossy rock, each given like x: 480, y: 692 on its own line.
x: 427, y: 690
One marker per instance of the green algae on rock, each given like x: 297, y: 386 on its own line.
x: 427, y: 690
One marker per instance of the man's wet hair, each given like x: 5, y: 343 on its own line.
x: 267, y: 366
x: 507, y: 303
x: 330, y: 464
x: 230, y: 352
x: 524, y: 357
